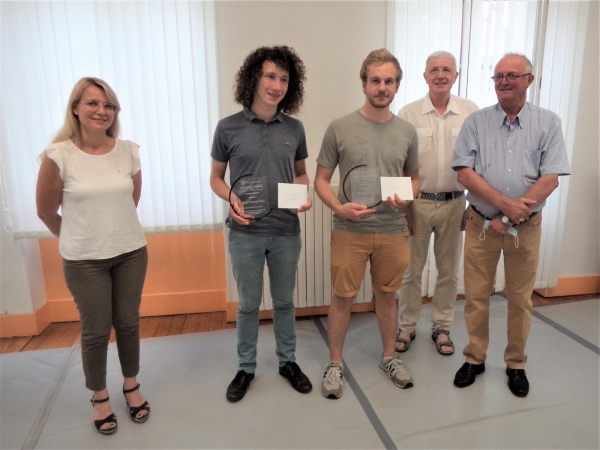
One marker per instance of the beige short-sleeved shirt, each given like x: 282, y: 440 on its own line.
x: 437, y: 137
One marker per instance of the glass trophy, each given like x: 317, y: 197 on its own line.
x: 365, y: 186
x: 252, y: 192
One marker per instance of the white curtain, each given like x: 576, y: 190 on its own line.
x: 494, y: 29
x: 559, y: 92
x: 417, y: 29
x: 550, y: 32
x: 160, y: 59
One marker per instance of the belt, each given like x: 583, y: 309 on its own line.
x: 441, y: 196
x: 475, y: 209
x: 487, y: 218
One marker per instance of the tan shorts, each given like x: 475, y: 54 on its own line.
x: 388, y: 253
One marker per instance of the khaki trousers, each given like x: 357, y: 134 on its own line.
x: 443, y: 219
x: 520, y: 267
x: 388, y: 253
x: 108, y: 293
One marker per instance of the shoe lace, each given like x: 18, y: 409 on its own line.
x: 395, y: 366
x: 240, y: 377
x: 293, y: 368
x: 332, y: 375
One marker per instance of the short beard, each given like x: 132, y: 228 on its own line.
x: 378, y: 106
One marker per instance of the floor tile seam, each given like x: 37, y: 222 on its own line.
x: 48, y: 404
x: 580, y: 340
x: 364, y: 402
x: 587, y: 344
x: 455, y: 426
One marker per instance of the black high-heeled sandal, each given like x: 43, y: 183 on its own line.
x: 134, y: 410
x: 111, y: 418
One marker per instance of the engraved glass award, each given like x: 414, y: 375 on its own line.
x: 253, y: 193
x: 365, y: 186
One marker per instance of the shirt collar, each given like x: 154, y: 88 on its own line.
x: 428, y: 106
x: 251, y: 116
x: 519, y: 119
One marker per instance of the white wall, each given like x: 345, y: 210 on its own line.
x: 581, y: 242
x: 332, y: 38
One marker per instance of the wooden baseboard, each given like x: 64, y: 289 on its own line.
x: 167, y: 304
x: 183, y: 303
x: 65, y: 310
x: 573, y: 286
x: 30, y: 324
x: 300, y: 312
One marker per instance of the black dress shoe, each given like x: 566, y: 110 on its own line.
x: 299, y: 381
x: 238, y: 387
x: 466, y: 374
x: 517, y: 382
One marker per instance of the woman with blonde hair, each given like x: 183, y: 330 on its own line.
x: 95, y: 180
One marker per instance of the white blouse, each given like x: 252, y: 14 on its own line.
x: 99, y: 217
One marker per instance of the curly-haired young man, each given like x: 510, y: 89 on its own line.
x: 262, y: 140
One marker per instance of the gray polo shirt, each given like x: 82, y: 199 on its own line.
x: 251, y: 146
x: 393, y: 147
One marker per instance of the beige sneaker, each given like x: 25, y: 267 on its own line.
x: 333, y: 386
x: 396, y: 371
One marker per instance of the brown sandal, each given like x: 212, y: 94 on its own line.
x: 439, y: 345
x: 406, y: 342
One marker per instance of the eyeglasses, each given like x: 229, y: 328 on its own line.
x: 95, y: 104
x: 509, y: 77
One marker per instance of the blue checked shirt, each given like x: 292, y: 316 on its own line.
x: 511, y: 156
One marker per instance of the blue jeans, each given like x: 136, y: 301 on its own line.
x: 248, y: 253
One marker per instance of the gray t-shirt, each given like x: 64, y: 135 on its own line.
x: 393, y: 147
x: 251, y: 146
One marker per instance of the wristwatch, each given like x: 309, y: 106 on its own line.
x: 506, y: 221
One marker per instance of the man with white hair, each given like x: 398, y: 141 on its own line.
x: 439, y: 207
x: 509, y: 156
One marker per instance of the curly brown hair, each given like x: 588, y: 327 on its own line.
x: 249, y: 75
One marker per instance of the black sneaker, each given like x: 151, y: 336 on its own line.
x: 293, y: 373
x: 238, y: 387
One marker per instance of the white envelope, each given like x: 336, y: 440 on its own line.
x: 396, y: 185
x: 291, y: 195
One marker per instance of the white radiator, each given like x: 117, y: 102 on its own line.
x: 313, y: 281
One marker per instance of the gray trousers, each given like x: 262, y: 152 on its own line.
x: 108, y: 294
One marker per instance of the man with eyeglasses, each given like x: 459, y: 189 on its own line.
x: 262, y: 141
x: 374, y: 139
x: 509, y: 156
x: 439, y: 208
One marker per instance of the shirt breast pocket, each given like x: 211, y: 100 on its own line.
x: 531, y: 162
x: 425, y: 139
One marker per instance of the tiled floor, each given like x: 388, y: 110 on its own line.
x: 44, y: 403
